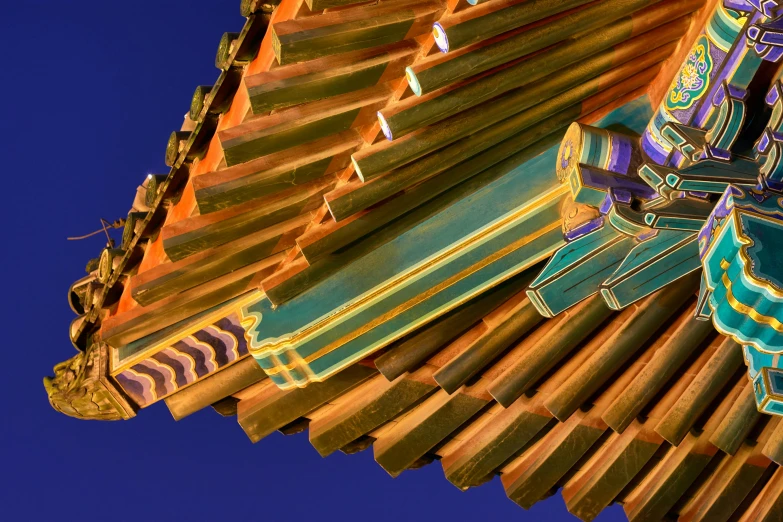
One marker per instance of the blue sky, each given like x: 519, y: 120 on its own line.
x: 91, y: 91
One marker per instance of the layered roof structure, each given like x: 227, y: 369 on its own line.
x: 422, y: 227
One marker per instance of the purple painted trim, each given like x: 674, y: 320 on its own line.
x: 583, y: 229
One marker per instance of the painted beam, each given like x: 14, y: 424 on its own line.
x: 348, y: 30
x: 172, y: 278
x: 275, y: 172
x: 198, y: 233
x: 466, y: 267
x: 128, y: 326
x: 328, y: 76
x: 606, y: 48
x: 485, y: 58
x: 305, y: 123
x: 459, y: 180
x: 575, y: 272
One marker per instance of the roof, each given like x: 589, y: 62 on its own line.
x: 341, y: 135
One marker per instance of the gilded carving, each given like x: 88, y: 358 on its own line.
x: 82, y: 389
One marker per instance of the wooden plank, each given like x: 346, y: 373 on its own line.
x: 739, y: 422
x: 494, y: 18
x: 352, y: 29
x: 529, y: 477
x: 328, y: 76
x: 195, y: 234
x: 126, y: 327
x: 713, y: 378
x: 718, y: 498
x: 272, y: 408
x: 350, y: 199
x: 572, y: 328
x: 301, y: 124
x: 274, y: 173
x: 427, y: 425
x: 412, y: 351
x: 773, y: 449
x: 671, y: 477
x: 492, y: 343
x: 610, y: 470
x: 367, y: 407
x: 599, y: 50
x: 640, y: 321
x: 622, y: 457
x: 172, y: 278
x: 686, y: 336
x: 320, y: 5
x: 567, y: 87
x: 768, y: 505
x: 535, y: 39
x: 505, y: 433
x: 214, y: 388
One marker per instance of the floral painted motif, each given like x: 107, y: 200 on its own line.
x: 693, y: 79
x: 566, y: 156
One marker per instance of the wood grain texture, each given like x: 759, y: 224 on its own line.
x: 301, y: 124
x: 352, y: 29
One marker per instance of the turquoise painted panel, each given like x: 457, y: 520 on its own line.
x: 503, y: 228
x: 651, y: 265
x: 737, y: 247
x: 575, y: 272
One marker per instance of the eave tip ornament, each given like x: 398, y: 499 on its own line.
x: 700, y: 190
x: 81, y: 388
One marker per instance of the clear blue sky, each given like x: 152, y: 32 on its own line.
x: 91, y: 91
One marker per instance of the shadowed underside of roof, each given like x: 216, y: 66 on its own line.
x: 647, y: 407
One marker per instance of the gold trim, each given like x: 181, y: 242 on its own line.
x: 145, y: 354
x: 746, y: 262
x: 747, y: 310
x: 418, y: 299
x: 283, y: 344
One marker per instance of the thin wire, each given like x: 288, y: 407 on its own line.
x: 105, y: 225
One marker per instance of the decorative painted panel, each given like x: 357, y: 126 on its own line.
x: 185, y: 355
x: 467, y: 248
x: 704, y: 204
